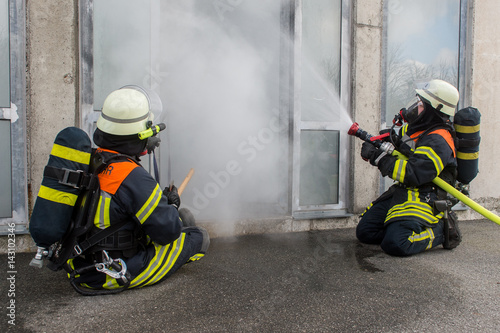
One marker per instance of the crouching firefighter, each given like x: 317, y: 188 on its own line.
x: 410, y: 217
x: 147, y: 239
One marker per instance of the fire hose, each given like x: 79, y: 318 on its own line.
x: 389, y: 149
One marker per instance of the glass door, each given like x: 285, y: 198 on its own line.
x: 321, y: 118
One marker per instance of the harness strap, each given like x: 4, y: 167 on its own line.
x: 468, y: 143
x: 96, y: 238
x: 75, y: 178
x: 119, y: 240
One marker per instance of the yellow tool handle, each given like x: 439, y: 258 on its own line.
x: 185, y: 181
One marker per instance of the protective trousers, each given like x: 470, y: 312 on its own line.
x: 161, y: 261
x: 398, y: 238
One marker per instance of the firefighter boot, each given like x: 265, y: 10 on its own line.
x: 187, y: 217
x: 452, y: 233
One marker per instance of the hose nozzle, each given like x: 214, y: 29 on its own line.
x: 358, y: 132
x: 374, y: 140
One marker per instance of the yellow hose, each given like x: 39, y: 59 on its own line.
x: 459, y: 195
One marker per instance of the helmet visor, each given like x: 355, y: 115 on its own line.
x: 155, y: 104
x: 414, y: 108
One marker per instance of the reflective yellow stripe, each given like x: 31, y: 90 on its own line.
x: 159, y: 266
x: 431, y: 154
x: 150, y: 205
x: 72, y: 266
x: 431, y: 238
x: 164, y: 259
x: 404, y: 129
x: 367, y: 208
x: 61, y: 197
x: 101, y: 218
x: 197, y: 256
x: 413, y: 209
x: 177, y: 247
x: 466, y: 129
x: 399, y: 171
x: 413, y: 195
x: 111, y: 283
x: 70, y: 154
x: 468, y: 156
x: 97, y: 219
x: 428, y: 234
x: 161, y: 251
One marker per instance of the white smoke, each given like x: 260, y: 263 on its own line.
x: 221, y: 97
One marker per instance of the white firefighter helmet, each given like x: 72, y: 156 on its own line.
x: 441, y: 95
x: 128, y: 110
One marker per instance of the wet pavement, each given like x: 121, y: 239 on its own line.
x: 324, y: 281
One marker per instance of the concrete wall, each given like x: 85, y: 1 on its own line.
x: 486, y: 97
x: 52, y: 91
x: 366, y: 87
x: 52, y: 61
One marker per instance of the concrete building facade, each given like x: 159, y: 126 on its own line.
x: 58, y: 85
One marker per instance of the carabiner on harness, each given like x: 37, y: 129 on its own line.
x: 115, y: 268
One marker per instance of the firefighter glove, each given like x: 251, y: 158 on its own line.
x: 370, y: 153
x: 152, y: 143
x: 172, y: 196
x: 386, y: 164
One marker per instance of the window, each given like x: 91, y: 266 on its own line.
x: 320, y: 133
x: 122, y: 45
x: 423, y: 40
x: 233, y: 77
x: 13, y: 197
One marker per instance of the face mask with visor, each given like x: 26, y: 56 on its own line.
x: 410, y: 114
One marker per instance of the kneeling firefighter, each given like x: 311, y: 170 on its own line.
x: 405, y: 219
x: 152, y: 242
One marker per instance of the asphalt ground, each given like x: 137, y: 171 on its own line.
x: 324, y: 281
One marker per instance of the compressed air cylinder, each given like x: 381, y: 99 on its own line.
x: 466, y: 123
x: 58, y: 193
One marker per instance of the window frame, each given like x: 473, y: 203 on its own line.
x: 17, y: 40
x: 343, y: 206
x: 464, y: 68
x: 288, y: 95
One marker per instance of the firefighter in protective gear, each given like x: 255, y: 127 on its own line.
x: 403, y: 220
x: 154, y: 241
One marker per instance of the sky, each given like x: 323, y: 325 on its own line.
x: 427, y: 29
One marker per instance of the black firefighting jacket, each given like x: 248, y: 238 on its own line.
x: 128, y: 192
x: 432, y: 154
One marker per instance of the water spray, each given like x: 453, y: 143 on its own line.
x: 355, y: 130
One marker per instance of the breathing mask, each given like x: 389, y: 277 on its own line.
x: 413, y: 110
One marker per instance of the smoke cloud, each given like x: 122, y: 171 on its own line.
x: 221, y: 98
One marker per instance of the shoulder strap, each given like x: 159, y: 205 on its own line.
x: 83, y: 219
